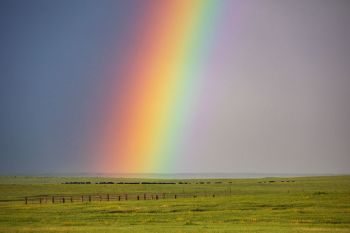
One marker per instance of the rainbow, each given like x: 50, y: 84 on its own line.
x: 152, y: 104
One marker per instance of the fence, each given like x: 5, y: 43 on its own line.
x: 53, y: 199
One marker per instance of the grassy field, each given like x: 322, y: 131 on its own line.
x: 305, y: 204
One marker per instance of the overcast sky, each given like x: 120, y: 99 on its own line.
x: 280, y: 105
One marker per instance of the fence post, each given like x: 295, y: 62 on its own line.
x: 156, y: 197
x: 63, y: 200
x: 82, y: 198
x: 175, y: 196
x: 89, y: 198
x: 138, y: 197
x: 26, y: 200
x: 40, y: 200
x: 163, y: 195
x: 144, y: 196
x: 119, y: 198
x: 107, y: 197
x: 71, y: 199
x: 53, y: 199
x: 126, y: 197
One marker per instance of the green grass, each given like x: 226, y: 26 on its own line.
x: 310, y: 204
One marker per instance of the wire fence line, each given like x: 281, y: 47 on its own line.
x: 54, y: 199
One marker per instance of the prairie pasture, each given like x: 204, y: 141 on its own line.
x: 302, y: 204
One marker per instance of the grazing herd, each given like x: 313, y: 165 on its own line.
x: 110, y: 182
